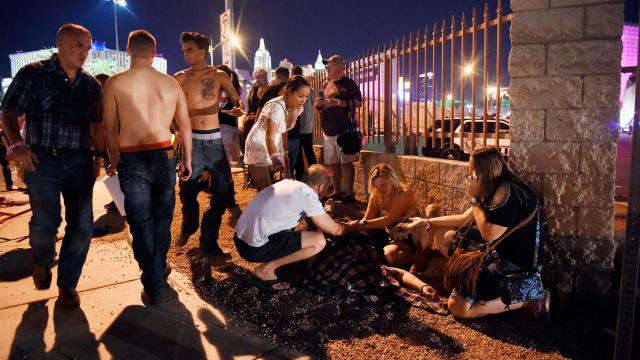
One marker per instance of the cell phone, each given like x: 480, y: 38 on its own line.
x: 321, y: 94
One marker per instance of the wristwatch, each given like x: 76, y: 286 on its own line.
x: 365, y: 222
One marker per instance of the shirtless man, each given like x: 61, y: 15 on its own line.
x: 139, y: 106
x: 202, y: 84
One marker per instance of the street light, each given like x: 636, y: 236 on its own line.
x: 233, y: 38
x: 117, y: 3
x: 235, y: 41
x: 468, y: 69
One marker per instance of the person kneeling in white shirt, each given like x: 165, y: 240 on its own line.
x: 265, y: 232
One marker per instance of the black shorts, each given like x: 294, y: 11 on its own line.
x: 279, y: 245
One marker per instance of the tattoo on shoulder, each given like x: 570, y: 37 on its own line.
x: 208, y: 89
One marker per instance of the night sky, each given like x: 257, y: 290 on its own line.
x: 292, y: 29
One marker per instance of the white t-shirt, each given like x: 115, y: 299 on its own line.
x: 256, y: 152
x: 276, y: 208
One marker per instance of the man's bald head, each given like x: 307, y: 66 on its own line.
x: 141, y: 44
x: 71, y: 30
x: 73, y: 42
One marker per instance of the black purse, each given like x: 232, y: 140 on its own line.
x: 350, y: 140
x: 521, y: 286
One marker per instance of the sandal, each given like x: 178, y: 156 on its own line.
x: 271, y: 286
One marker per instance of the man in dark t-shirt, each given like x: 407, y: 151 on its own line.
x: 340, y: 97
x: 273, y: 91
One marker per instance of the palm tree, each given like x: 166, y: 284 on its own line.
x: 46, y: 53
x: 102, y: 66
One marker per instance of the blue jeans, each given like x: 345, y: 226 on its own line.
x: 6, y: 170
x: 206, y: 155
x: 70, y: 173
x: 148, y: 181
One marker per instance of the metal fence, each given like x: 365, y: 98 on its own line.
x: 627, y: 344
x: 435, y: 91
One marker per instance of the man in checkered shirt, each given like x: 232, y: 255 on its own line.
x: 62, y: 104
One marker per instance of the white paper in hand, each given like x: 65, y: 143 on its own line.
x: 112, y: 183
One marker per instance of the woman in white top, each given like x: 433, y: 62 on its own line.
x: 266, y: 143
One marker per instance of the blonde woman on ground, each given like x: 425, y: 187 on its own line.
x: 390, y: 203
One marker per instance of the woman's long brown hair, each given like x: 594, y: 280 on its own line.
x: 493, y: 170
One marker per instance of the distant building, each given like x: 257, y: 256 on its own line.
x: 319, y: 65
x: 429, y: 87
x: 262, y: 59
x: 286, y: 63
x: 307, y: 70
x: 629, y: 52
x: 4, y: 87
x: 100, y: 60
x: 630, y: 43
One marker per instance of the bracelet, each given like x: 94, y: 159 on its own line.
x: 17, y: 144
x: 14, y: 146
x: 276, y: 156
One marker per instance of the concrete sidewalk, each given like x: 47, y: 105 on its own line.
x: 112, y: 322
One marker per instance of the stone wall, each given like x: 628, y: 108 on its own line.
x: 434, y: 181
x: 565, y: 81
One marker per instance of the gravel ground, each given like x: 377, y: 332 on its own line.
x: 327, y: 328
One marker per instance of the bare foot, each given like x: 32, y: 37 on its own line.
x: 263, y: 272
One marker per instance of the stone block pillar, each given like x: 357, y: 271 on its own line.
x: 565, y: 82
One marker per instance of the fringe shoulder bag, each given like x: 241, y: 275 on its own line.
x: 464, y: 266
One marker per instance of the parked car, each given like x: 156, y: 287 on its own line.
x: 461, y: 149
x: 470, y: 143
x: 433, y: 147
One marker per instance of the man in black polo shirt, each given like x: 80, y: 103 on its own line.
x: 63, y: 107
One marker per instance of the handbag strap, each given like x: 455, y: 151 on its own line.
x: 522, y: 223
x: 537, y: 247
x: 351, y: 115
